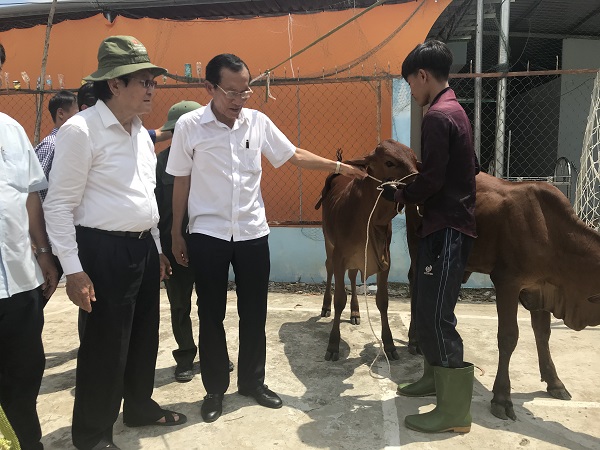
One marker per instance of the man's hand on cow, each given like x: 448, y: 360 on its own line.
x: 389, y: 190
x: 80, y: 290
x: 352, y: 171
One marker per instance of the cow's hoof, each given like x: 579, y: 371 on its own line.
x: 504, y: 412
x: 393, y: 355
x: 355, y: 320
x: 325, y: 312
x: 332, y: 356
x: 413, y: 349
x: 560, y: 393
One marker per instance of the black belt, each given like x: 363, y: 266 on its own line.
x: 128, y: 234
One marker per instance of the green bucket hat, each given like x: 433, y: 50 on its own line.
x: 122, y: 55
x: 178, y: 110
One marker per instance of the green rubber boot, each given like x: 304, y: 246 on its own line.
x: 423, y: 387
x: 454, y: 389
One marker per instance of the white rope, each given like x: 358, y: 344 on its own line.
x: 367, y: 303
x: 380, y: 189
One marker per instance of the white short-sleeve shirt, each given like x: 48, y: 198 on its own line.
x: 20, y: 174
x: 225, y: 199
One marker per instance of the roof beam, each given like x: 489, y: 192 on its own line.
x: 583, y: 20
x: 526, y: 14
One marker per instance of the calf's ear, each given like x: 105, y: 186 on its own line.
x: 358, y: 162
x: 594, y: 298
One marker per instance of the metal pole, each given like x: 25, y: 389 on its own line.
x: 378, y: 111
x: 508, y: 156
x: 478, y: 81
x: 299, y: 123
x: 502, y: 88
x: 416, y: 118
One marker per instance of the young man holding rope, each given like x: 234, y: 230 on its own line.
x: 445, y: 187
x: 216, y: 160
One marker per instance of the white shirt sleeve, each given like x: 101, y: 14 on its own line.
x: 72, y: 162
x: 277, y: 147
x: 181, y: 155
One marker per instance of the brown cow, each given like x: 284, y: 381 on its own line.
x: 536, y: 251
x: 347, y: 205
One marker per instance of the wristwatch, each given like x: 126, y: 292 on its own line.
x: 40, y: 250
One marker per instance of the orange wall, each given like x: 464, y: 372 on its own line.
x: 261, y: 42
x: 331, y: 116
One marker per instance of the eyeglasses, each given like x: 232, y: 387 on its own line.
x: 233, y: 95
x: 148, y: 84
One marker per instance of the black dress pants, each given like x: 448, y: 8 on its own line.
x: 119, y: 338
x: 210, y: 259
x: 441, y: 262
x: 22, y: 363
x: 179, y: 291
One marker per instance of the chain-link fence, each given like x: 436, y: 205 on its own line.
x: 539, y: 135
x: 545, y: 120
x: 351, y: 114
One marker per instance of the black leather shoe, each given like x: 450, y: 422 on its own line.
x: 263, y: 396
x: 212, y: 407
x: 183, y: 374
x: 103, y: 445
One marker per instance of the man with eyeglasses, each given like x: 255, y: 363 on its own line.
x: 216, y: 160
x: 102, y: 220
x: 86, y: 99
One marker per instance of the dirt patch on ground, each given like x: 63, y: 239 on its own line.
x: 468, y: 295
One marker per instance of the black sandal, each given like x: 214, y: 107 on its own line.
x: 169, y: 417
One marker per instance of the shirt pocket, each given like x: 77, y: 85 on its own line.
x: 251, y: 159
x: 16, y: 168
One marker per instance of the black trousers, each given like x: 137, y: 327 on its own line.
x: 441, y: 262
x: 179, y: 291
x: 22, y: 363
x: 210, y: 259
x: 119, y: 338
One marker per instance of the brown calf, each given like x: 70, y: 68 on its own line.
x: 347, y: 205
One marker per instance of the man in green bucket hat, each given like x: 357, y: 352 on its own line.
x: 102, y: 220
x: 181, y: 283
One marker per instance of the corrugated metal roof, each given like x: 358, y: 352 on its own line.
x: 532, y: 17
x: 23, y: 15
x: 536, y: 33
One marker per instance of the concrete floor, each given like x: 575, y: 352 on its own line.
x: 340, y: 405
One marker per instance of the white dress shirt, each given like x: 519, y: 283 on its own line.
x: 102, y: 177
x: 20, y: 174
x: 225, y: 199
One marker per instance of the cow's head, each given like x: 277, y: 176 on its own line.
x: 390, y: 160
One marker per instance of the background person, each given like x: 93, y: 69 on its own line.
x: 25, y: 279
x: 216, y: 160
x: 102, y: 219
x: 62, y: 106
x: 181, y: 281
